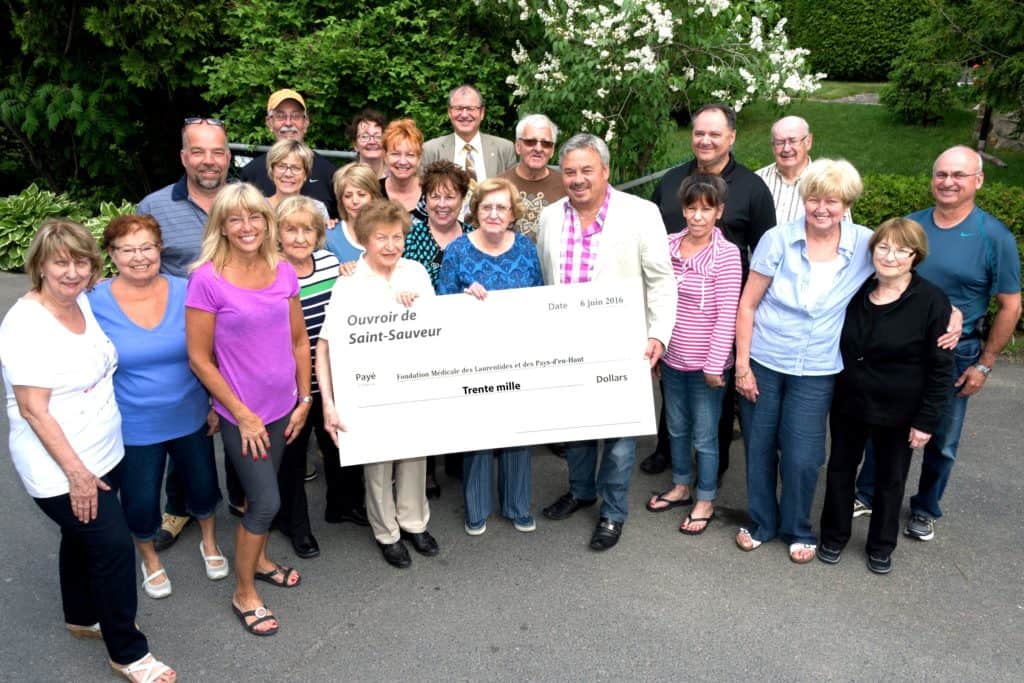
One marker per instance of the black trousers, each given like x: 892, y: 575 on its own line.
x: 893, y: 454
x: 725, y: 425
x: 97, y: 571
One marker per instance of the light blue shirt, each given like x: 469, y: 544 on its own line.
x: 339, y: 244
x: 158, y: 396
x: 796, y: 331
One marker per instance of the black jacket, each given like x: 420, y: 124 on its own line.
x: 894, y: 373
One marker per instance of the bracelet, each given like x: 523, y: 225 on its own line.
x: 306, y: 399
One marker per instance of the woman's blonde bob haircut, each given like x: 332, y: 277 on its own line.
x: 831, y: 178
x: 236, y: 198
x: 283, y: 149
x: 359, y: 176
x: 61, y: 237
x: 490, y: 186
x: 902, y: 232
x: 299, y: 204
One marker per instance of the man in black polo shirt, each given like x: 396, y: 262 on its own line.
x: 749, y: 213
x: 287, y: 120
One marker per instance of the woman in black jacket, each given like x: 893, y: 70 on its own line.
x: 894, y: 382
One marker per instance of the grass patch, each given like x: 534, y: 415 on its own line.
x: 868, y: 136
x: 833, y: 90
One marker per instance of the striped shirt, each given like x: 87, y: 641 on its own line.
x: 314, y: 294
x: 182, y: 223
x: 709, y: 292
x: 788, y: 204
x: 580, y: 244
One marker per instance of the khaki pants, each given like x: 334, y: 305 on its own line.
x: 404, y: 507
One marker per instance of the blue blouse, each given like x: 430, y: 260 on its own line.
x: 340, y: 245
x: 158, y: 396
x: 464, y: 264
x: 796, y: 331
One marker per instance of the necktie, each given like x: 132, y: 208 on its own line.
x: 470, y: 166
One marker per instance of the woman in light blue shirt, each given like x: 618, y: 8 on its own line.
x: 802, y: 276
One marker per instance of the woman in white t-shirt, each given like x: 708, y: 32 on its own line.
x: 65, y: 440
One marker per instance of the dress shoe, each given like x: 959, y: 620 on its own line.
x: 606, y: 534
x: 171, y: 527
x: 655, y: 463
x: 565, y: 506
x: 395, y: 554
x: 306, y: 546
x: 423, y: 542
x: 356, y: 515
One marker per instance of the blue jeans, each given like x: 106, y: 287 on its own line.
x: 612, y: 479
x: 513, y: 484
x: 143, y: 468
x: 692, y: 410
x: 940, y: 451
x: 785, y: 436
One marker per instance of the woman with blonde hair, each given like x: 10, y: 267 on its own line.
x: 355, y: 185
x: 289, y: 165
x: 248, y: 345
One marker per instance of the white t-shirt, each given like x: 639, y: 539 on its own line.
x: 38, y: 351
x: 821, y: 277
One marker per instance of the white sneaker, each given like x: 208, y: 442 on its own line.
x: 860, y: 509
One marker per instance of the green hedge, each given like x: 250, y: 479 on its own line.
x: 853, y: 40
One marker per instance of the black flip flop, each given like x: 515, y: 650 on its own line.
x: 285, y: 572
x: 671, y: 503
x: 251, y: 627
x: 691, y: 519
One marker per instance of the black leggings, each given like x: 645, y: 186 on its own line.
x: 258, y: 477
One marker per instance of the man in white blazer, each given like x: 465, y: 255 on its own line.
x: 597, y: 233
x: 483, y: 156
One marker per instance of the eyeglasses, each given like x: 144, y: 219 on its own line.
x: 281, y: 116
x: 146, y: 250
x: 792, y: 142
x: 448, y: 198
x: 193, y: 120
x: 533, y: 142
x: 901, y: 253
x: 288, y: 169
x: 464, y: 109
x: 366, y: 137
x: 499, y: 209
x: 958, y: 176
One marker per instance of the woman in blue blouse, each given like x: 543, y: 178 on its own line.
x: 802, y: 276
x: 493, y: 257
x: 165, y: 410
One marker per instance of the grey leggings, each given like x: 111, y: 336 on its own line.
x: 258, y: 477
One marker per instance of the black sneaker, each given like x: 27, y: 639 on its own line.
x: 920, y: 527
x: 829, y: 554
x: 880, y: 565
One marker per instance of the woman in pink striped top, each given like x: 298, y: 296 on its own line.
x: 693, y: 371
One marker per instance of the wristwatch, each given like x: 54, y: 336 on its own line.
x: 309, y: 399
x: 982, y: 368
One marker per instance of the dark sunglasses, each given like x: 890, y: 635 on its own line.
x: 533, y: 142
x: 193, y: 120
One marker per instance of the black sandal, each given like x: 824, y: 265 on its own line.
x: 660, y: 497
x: 285, y: 572
x: 261, y: 613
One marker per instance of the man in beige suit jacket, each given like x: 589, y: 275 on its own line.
x: 614, y: 237
x: 490, y: 155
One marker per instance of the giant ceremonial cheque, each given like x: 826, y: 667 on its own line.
x: 524, y: 367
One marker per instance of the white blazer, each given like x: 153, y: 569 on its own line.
x: 633, y: 244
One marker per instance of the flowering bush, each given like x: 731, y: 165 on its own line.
x: 619, y: 68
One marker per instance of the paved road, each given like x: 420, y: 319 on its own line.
x: 542, y: 606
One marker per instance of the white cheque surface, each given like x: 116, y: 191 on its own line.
x: 454, y: 374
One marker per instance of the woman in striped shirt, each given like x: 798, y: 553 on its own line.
x: 708, y: 275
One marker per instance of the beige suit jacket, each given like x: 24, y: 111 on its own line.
x: 499, y: 154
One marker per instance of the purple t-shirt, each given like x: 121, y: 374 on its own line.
x: 252, y: 339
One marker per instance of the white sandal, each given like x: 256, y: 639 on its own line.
x: 157, y: 591
x: 149, y: 666
x: 754, y: 543
x: 796, y: 547
x: 214, y: 572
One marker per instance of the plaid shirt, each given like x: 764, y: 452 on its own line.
x: 579, y: 250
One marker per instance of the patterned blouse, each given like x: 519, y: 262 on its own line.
x: 421, y: 247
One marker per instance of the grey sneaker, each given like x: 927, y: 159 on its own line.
x: 860, y: 509
x: 920, y: 527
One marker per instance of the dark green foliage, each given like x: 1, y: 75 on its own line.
x: 851, y: 39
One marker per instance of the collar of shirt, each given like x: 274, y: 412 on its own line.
x: 797, y: 232
x: 774, y: 170
x: 460, y: 149
x: 703, y: 261
x: 572, y: 217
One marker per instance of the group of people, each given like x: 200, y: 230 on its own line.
x: 219, y: 320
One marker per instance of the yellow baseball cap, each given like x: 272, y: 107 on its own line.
x: 281, y: 95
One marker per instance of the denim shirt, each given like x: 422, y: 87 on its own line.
x: 796, y: 333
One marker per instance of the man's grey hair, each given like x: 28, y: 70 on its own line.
x: 585, y: 141
x: 465, y: 86
x: 792, y: 119
x: 537, y: 121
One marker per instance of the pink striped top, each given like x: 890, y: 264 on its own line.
x: 580, y: 245
x: 709, y: 293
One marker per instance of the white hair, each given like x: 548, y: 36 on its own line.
x: 537, y: 121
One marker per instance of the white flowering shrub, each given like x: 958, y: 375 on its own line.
x: 619, y: 68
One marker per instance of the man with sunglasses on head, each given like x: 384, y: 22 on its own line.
x: 182, y: 209
x: 483, y: 156
x: 538, y: 184
x: 287, y: 119
x: 972, y: 257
